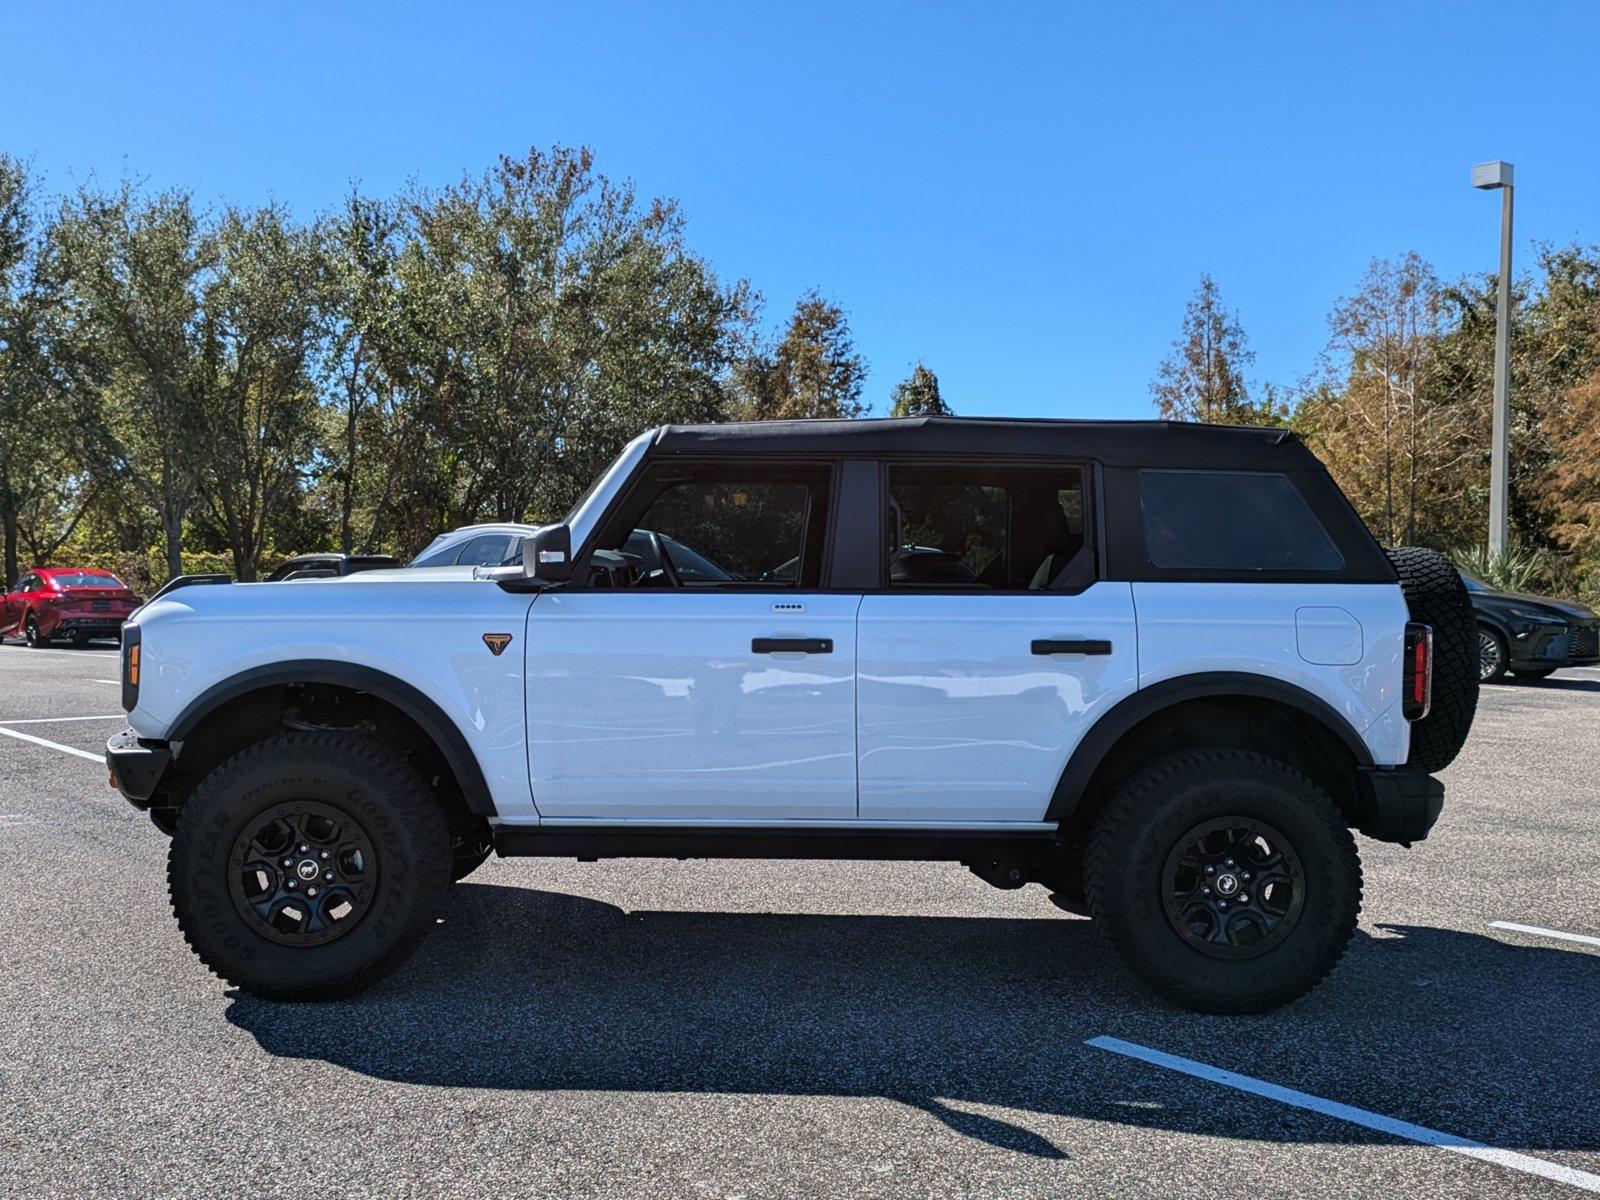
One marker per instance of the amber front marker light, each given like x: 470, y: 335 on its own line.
x: 133, y: 665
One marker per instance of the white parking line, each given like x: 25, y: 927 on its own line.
x: 1356, y: 1116
x: 117, y: 682
x: 39, y: 741
x: 78, y: 653
x: 1549, y: 933
x: 58, y: 720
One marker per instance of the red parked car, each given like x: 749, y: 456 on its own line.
x: 62, y: 602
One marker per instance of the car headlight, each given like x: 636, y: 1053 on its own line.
x: 1535, y: 617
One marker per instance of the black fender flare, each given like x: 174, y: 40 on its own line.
x: 1146, y: 702
x: 430, y: 718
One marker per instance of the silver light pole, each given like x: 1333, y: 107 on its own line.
x: 1488, y: 176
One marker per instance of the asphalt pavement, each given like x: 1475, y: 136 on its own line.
x: 735, y: 1029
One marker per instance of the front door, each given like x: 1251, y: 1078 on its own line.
x: 991, y: 648
x: 716, y: 684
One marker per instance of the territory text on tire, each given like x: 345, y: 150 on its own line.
x: 308, y: 866
x: 1226, y: 881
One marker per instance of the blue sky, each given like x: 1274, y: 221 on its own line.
x: 1022, y: 195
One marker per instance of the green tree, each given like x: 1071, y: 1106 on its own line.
x: 917, y: 395
x: 259, y: 327
x: 132, y: 270
x: 1395, y: 428
x: 359, y: 336
x: 1203, y: 378
x: 813, y: 371
x: 42, y: 488
x: 543, y: 316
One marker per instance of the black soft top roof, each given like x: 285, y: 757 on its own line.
x: 1115, y: 443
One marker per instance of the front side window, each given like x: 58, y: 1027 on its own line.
x: 996, y: 528
x: 1231, y: 521
x: 713, y: 527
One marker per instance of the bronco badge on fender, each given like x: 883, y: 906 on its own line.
x: 497, y: 642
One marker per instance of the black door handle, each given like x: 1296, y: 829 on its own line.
x: 1055, y: 646
x: 791, y: 645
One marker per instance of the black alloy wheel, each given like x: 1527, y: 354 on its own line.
x: 31, y: 633
x: 1233, y: 887
x: 304, y: 873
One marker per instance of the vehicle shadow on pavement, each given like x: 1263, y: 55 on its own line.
x: 533, y: 990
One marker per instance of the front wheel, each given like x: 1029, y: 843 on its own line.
x: 309, y: 866
x: 1492, y: 655
x: 1226, y: 881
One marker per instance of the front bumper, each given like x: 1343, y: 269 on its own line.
x: 137, y: 765
x: 1398, y: 805
x: 1552, y: 645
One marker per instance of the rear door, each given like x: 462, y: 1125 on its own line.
x: 991, y: 646
x: 717, y: 683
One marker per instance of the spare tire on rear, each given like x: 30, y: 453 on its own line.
x: 1437, y: 597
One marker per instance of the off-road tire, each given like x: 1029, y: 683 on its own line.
x: 1143, y: 823
x: 1436, y: 596
x: 393, y: 806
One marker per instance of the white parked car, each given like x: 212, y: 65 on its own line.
x: 1162, y: 670
x: 475, y: 546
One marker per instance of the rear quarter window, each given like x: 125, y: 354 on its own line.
x: 1231, y: 521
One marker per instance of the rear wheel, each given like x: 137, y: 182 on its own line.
x: 80, y: 640
x: 1492, y: 655
x: 1226, y: 881
x: 30, y: 631
x: 308, y: 866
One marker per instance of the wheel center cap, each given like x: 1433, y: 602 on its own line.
x: 307, y: 869
x: 1227, y: 883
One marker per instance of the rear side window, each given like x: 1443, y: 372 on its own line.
x: 1001, y: 528
x: 440, y: 558
x: 488, y: 550
x: 1231, y: 521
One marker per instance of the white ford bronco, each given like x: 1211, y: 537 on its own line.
x: 1162, y: 670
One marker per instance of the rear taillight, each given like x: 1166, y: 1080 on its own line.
x: 1417, y: 678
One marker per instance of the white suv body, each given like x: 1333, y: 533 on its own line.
x: 927, y: 639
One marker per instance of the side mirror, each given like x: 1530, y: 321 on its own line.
x: 547, y: 554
